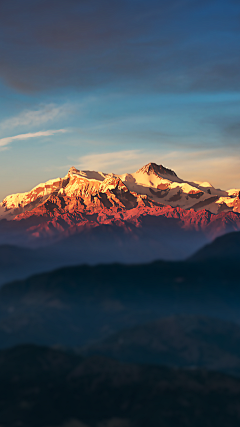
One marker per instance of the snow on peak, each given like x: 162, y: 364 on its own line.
x: 203, y: 184
x: 37, y: 194
x: 155, y: 182
x: 234, y: 192
x: 73, y: 170
x: 112, y: 182
x: 90, y: 175
x: 153, y: 168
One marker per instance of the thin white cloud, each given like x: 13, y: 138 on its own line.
x: 120, y: 161
x: 6, y: 141
x: 216, y: 166
x: 36, y: 117
x: 3, y: 148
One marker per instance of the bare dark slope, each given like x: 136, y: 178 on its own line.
x: 159, y: 238
x: 223, y: 248
x: 43, y: 387
x: 183, y: 341
x: 76, y: 305
x: 104, y: 244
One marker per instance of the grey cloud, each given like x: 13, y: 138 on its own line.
x: 233, y: 131
x: 226, y: 125
x: 155, y: 45
x: 220, y: 75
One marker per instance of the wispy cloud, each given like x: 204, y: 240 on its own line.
x: 217, y: 166
x: 6, y: 141
x: 120, y: 161
x: 36, y: 117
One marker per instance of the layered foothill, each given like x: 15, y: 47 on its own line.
x: 154, y: 196
x: 43, y: 386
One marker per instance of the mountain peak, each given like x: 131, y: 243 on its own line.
x: 73, y: 170
x: 156, y: 169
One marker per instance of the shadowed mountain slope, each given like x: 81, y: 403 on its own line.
x: 45, y: 387
x: 183, y: 341
x: 75, y: 306
x: 158, y: 238
x: 223, y: 248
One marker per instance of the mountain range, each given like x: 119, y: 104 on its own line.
x: 110, y: 328
x: 152, y: 207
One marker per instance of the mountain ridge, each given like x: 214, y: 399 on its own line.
x: 102, y: 182
x: 87, y: 199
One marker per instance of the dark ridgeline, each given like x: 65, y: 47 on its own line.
x: 47, y: 387
x: 75, y: 306
x: 105, y: 244
x: 113, y: 327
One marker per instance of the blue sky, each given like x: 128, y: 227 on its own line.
x: 112, y: 85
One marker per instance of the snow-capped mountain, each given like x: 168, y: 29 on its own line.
x: 159, y: 184
x: 163, y: 186
x: 87, y: 199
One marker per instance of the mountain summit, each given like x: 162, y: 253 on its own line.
x: 159, y: 170
x: 84, y: 200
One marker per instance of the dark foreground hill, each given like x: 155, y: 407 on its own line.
x: 42, y: 387
x: 105, y: 244
x: 224, y: 248
x: 108, y: 244
x: 180, y: 341
x: 81, y: 306
x: 78, y: 305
